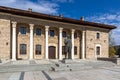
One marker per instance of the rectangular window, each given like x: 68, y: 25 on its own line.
x: 75, y: 50
x: 75, y: 35
x: 63, y: 34
x: 38, y: 31
x: 38, y: 50
x: 52, y: 33
x: 63, y: 50
x: 23, y: 49
x: 98, y: 35
x: 97, y: 50
x: 23, y: 30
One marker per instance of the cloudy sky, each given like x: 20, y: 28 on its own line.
x: 103, y: 11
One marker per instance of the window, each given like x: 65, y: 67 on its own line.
x: 38, y: 31
x: 38, y: 50
x: 63, y: 34
x: 23, y: 49
x: 98, y: 35
x: 63, y: 50
x: 52, y: 33
x: 23, y: 30
x: 75, y: 35
x: 97, y: 50
x: 75, y: 50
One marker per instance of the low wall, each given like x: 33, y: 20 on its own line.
x: 114, y: 60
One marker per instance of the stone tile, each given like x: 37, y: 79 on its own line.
x: 20, y: 62
x: 15, y: 76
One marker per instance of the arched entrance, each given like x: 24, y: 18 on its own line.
x: 52, y: 52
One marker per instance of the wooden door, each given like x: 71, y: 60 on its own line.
x: 52, y: 51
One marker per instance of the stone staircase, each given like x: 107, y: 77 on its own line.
x: 57, y: 66
x: 83, y: 65
x: 23, y: 68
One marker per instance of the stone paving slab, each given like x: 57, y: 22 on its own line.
x: 92, y: 74
x: 15, y: 76
x: 20, y: 62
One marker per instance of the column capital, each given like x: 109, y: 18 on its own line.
x: 31, y: 26
x: 46, y: 28
x: 14, y: 24
x: 83, y: 31
x: 60, y: 29
x: 73, y: 30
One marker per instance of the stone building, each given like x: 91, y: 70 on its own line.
x: 30, y: 35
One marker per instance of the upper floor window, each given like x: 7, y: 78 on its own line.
x: 97, y: 35
x: 38, y: 50
x: 52, y: 33
x: 63, y: 34
x: 23, y: 49
x: 23, y: 30
x: 38, y: 31
x: 75, y: 35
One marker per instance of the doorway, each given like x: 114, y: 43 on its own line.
x: 52, y: 52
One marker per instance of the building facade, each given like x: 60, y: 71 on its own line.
x: 31, y: 35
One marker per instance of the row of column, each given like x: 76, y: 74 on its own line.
x: 14, y: 25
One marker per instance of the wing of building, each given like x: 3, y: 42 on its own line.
x: 30, y: 35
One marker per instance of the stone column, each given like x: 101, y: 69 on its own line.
x: 83, y: 44
x: 46, y: 41
x: 72, y: 37
x: 31, y: 41
x: 60, y: 43
x: 14, y: 41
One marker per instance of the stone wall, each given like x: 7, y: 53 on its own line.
x: 90, y: 36
x: 91, y: 42
x: 5, y: 39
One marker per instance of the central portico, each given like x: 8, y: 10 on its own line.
x: 33, y: 41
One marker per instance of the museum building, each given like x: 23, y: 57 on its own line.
x: 25, y: 34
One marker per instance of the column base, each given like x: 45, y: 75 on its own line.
x: 31, y: 59
x: 13, y: 59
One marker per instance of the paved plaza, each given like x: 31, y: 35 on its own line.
x: 41, y: 70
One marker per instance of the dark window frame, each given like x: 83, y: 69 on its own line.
x: 23, y: 49
x: 52, y: 33
x: 75, y: 35
x: 64, y: 34
x: 23, y: 30
x: 38, y: 31
x: 38, y: 51
x: 97, y: 35
x: 63, y: 50
x: 75, y: 50
x: 98, y: 50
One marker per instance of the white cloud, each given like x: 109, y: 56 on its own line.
x: 112, y: 19
x: 63, y: 1
x: 40, y: 6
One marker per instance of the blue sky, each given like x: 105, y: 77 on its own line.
x: 103, y: 11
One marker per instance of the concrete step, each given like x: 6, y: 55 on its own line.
x: 20, y: 68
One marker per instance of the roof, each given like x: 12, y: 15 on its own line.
x: 53, y: 18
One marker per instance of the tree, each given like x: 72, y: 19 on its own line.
x: 112, y: 52
x: 111, y: 40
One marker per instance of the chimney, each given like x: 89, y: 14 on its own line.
x: 29, y: 9
x: 60, y: 15
x: 82, y: 18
